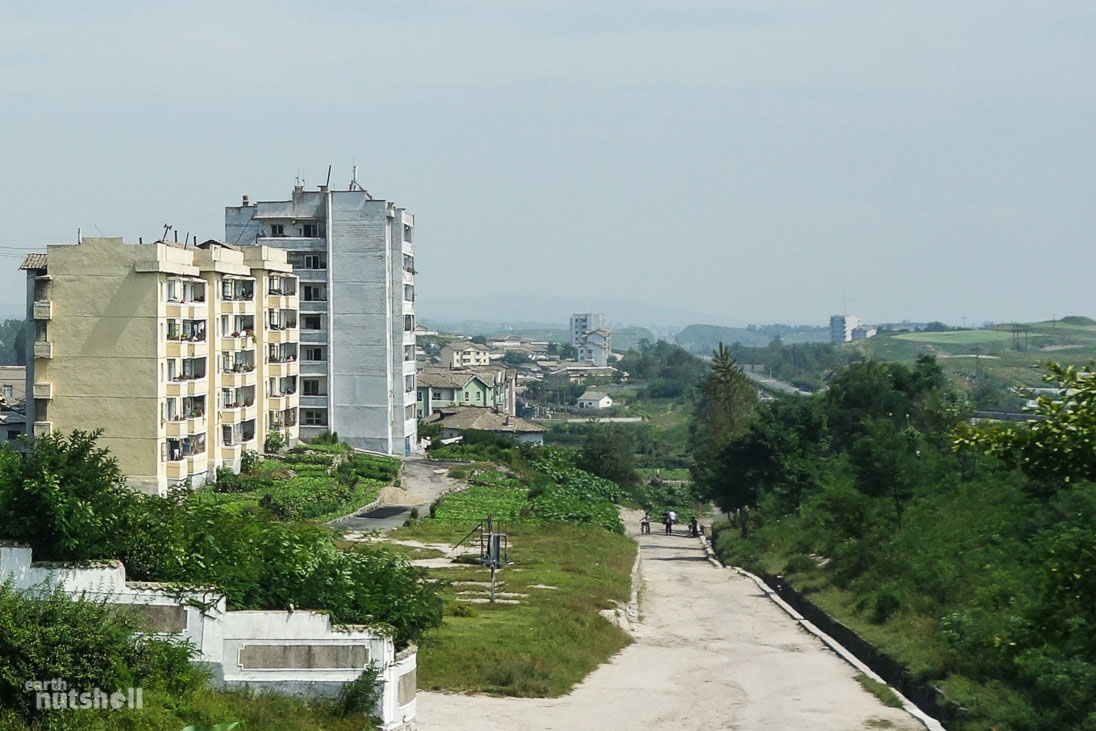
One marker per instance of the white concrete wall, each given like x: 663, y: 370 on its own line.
x: 222, y: 638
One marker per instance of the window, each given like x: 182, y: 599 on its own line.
x: 409, y: 412
x: 311, y: 387
x: 312, y: 322
x: 313, y: 354
x: 408, y: 323
x: 277, y: 229
x: 8, y: 391
x: 310, y: 231
x: 315, y: 293
x: 14, y: 434
x: 409, y: 263
x: 314, y: 417
x: 467, y: 396
x: 408, y: 383
x: 409, y: 292
x: 420, y: 396
x: 315, y: 261
x: 409, y: 352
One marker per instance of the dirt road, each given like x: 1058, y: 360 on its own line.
x: 711, y: 652
x: 421, y: 483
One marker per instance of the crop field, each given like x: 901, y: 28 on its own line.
x: 960, y: 337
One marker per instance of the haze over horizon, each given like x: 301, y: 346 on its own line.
x: 759, y: 162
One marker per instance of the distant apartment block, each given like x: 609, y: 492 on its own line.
x: 355, y: 257
x: 841, y: 327
x: 465, y: 355
x: 185, y: 357
x: 591, y: 338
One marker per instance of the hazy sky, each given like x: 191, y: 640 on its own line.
x: 723, y: 162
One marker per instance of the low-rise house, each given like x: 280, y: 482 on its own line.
x: 570, y: 372
x: 487, y: 386
x: 465, y: 355
x: 456, y: 420
x: 595, y: 400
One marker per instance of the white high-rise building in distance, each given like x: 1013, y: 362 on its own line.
x: 355, y: 258
x: 591, y: 338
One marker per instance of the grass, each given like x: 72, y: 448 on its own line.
x: 962, y: 337
x: 205, y: 707
x: 554, y: 638
x: 880, y: 690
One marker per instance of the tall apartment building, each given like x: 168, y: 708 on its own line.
x: 355, y: 257
x: 185, y: 357
x: 842, y: 327
x: 591, y: 338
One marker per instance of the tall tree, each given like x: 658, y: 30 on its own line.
x: 727, y: 399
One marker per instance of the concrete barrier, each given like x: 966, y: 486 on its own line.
x: 289, y: 652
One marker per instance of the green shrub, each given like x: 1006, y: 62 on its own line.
x: 84, y: 643
x: 800, y: 564
x: 363, y: 694
x: 274, y: 441
x: 249, y: 460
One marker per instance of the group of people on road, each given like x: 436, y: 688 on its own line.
x: 669, y: 520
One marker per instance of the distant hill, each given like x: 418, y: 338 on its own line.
x: 627, y: 338
x: 703, y: 339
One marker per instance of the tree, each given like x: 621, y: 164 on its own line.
x: 479, y: 339
x: 66, y: 497
x: 609, y: 451
x: 727, y: 398
x: 1062, y: 445
x: 515, y: 358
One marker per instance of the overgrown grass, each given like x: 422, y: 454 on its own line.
x: 554, y: 638
x: 883, y: 692
x: 204, y: 708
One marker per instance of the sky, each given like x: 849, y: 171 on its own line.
x: 665, y: 162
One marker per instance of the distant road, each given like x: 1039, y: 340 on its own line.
x: 775, y: 385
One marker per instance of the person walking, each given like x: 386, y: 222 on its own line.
x: 668, y: 523
x: 645, y: 524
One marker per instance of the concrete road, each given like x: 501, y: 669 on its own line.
x: 711, y: 652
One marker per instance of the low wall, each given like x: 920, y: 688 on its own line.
x: 292, y: 652
x: 925, y: 696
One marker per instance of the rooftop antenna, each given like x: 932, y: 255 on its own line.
x: 167, y: 227
x: 328, y: 183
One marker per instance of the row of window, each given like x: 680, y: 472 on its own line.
x: 304, y: 230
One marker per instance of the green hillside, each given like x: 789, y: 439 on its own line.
x: 703, y: 339
x: 997, y: 359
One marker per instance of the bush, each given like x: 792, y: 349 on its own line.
x: 84, y: 643
x: 274, y: 442
x: 249, y: 460
x: 362, y: 695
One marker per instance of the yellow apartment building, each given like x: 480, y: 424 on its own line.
x: 185, y: 357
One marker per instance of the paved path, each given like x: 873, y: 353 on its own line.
x: 421, y: 483
x: 711, y: 652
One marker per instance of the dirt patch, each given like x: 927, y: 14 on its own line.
x: 393, y: 496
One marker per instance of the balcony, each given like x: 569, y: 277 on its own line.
x: 239, y: 340
x: 231, y: 452
x: 237, y: 414
x: 287, y: 334
x: 43, y: 310
x: 181, y: 428
x: 186, y: 349
x: 237, y: 378
x: 282, y: 368
x: 283, y: 401
x: 43, y: 390
x: 43, y: 349
x: 187, y: 386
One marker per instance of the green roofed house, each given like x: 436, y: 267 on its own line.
x: 487, y: 387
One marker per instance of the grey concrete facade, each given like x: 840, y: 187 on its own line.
x: 355, y: 259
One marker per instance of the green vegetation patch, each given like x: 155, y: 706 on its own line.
x: 964, y: 337
x: 550, y: 641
